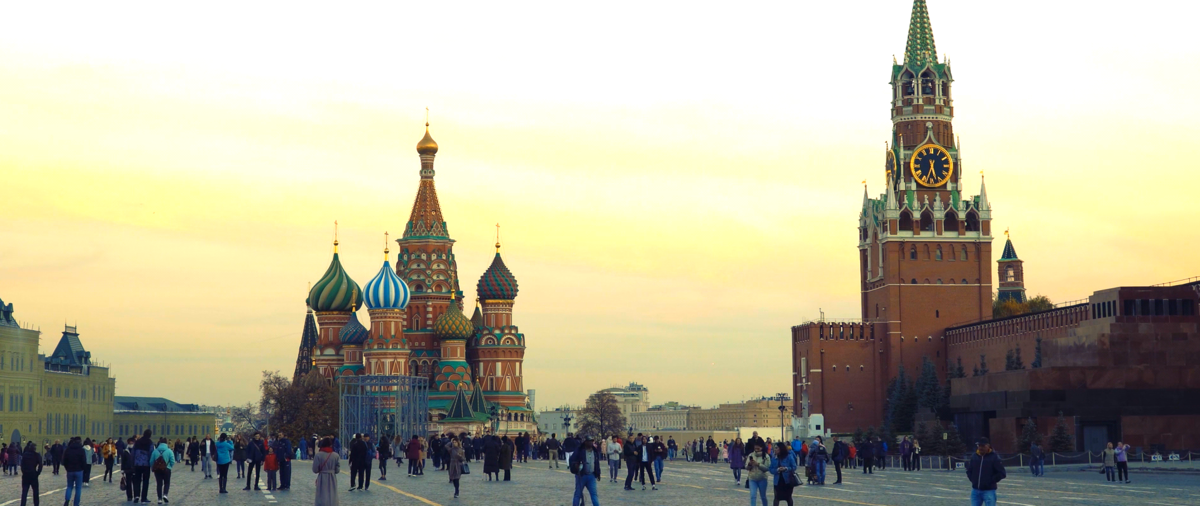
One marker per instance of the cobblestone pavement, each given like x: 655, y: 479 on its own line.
x: 691, y: 484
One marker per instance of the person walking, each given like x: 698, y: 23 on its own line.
x: 454, y: 467
x: 985, y: 470
x: 839, y: 456
x: 162, y: 460
x: 178, y: 447
x: 552, y: 446
x: 658, y: 451
x: 491, y: 457
x: 364, y: 471
x: 326, y: 465
x: 193, y: 453
x: 74, y: 459
x: 866, y: 452
x: 384, y: 450
x: 126, y: 469
x: 906, y: 454
x: 1122, y: 451
x: 271, y: 466
x: 629, y: 450
x: 737, y: 459
x: 239, y: 455
x: 412, y: 452
x: 206, y: 456
x: 255, y: 452
x: 585, y: 464
x: 109, y: 452
x: 56, y: 454
x: 225, y: 450
x: 506, y: 457
x: 1110, y: 463
x: 31, y: 468
x: 613, y: 450
x: 89, y: 452
x: 818, y: 455
x: 1036, y: 459
x: 758, y: 468
x: 783, y: 465
x: 646, y: 463
x: 284, y: 453
x: 354, y: 458
x: 141, y: 467
x: 569, y: 445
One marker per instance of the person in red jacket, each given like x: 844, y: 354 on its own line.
x: 271, y: 465
x: 413, y: 453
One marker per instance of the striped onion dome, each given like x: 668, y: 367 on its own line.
x: 497, y: 283
x: 335, y: 291
x: 353, y: 331
x: 386, y: 290
x: 453, y: 324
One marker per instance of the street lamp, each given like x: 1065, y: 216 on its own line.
x: 495, y: 419
x: 782, y: 409
x: 567, y: 420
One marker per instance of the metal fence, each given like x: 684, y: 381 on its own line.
x: 382, y: 406
x: 1021, y: 459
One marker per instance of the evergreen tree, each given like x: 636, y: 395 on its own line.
x: 1008, y: 361
x: 983, y: 365
x: 1037, y: 355
x: 959, y: 372
x: 858, y: 436
x: 1018, y: 364
x: 931, y: 442
x: 929, y: 389
x: 975, y: 371
x: 1029, y: 435
x: 870, y: 435
x: 901, y: 403
x: 1061, y: 440
x: 953, y: 445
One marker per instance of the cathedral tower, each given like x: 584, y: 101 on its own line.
x: 1011, y: 272
x: 308, y: 342
x: 426, y: 262
x: 386, y: 351
x: 333, y: 297
x: 499, y: 347
x: 924, y: 246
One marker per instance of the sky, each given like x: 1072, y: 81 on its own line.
x: 677, y: 183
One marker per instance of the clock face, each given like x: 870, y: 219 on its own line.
x: 932, y: 165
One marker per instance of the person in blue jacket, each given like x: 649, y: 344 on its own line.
x: 985, y: 471
x: 224, y: 449
x: 783, y: 465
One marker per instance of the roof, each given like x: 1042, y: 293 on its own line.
x: 478, y: 400
x: 426, y: 220
x: 920, y: 48
x: 6, y: 315
x: 460, y: 410
x: 353, y: 332
x: 386, y: 290
x: 497, y: 283
x: 1010, y: 253
x: 153, y: 405
x: 69, y: 351
x: 335, y: 291
x: 308, y: 341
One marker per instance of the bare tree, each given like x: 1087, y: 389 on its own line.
x: 601, y: 416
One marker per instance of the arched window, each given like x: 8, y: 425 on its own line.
x: 914, y: 281
x: 951, y: 223
x: 912, y: 253
x: 972, y: 221
x: 937, y: 254
x: 926, y: 221
x: 964, y: 281
x: 906, y: 221
x: 1009, y: 274
x: 927, y: 281
x: 939, y: 281
x: 963, y: 256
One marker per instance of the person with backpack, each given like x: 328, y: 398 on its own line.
x: 985, y: 470
x: 74, y: 459
x: 585, y: 465
x: 818, y: 455
x: 126, y: 469
x: 783, y: 467
x: 31, y: 467
x: 162, y: 459
x: 224, y: 449
x: 840, y: 452
x: 141, y: 467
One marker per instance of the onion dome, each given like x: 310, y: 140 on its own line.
x: 353, y: 332
x: 313, y: 380
x: 427, y: 146
x: 335, y: 291
x: 453, y: 324
x: 497, y: 283
x: 386, y: 290
x: 477, y: 318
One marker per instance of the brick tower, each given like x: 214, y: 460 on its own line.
x: 499, y: 346
x: 1010, y: 270
x: 426, y: 262
x: 333, y: 298
x: 924, y: 246
x: 386, y: 351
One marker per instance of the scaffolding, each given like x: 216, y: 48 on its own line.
x: 382, y: 406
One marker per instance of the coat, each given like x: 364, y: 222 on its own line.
x: 413, y: 450
x: 789, y: 463
x: 985, y: 471
x: 491, y: 456
x: 326, y: 465
x: 736, y: 459
x: 31, y: 463
x: 224, y: 451
x: 166, y: 453
x: 456, y: 461
x: 254, y: 451
x: 758, y: 465
x: 74, y: 458
x: 506, y: 455
x: 193, y: 450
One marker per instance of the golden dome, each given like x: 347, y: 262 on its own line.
x: 427, y: 146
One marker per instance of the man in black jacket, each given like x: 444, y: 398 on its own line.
x: 866, y: 452
x: 586, y: 460
x: 840, y: 451
x: 127, y: 468
x: 56, y: 453
x: 985, y: 471
x: 255, y: 453
x: 31, y: 467
x: 74, y: 461
x: 283, y: 455
x: 140, y: 454
x: 630, y: 453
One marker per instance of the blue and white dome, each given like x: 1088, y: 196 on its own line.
x: 386, y: 290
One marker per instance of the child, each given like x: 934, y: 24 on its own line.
x: 271, y: 465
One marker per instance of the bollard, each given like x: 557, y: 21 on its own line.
x: 1020, y: 460
x: 1053, y: 460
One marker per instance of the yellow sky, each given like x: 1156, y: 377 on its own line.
x: 677, y: 184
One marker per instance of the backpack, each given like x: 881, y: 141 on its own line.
x: 575, y: 466
x: 160, y: 464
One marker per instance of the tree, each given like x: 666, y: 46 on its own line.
x: 983, y: 365
x: 1038, y: 303
x: 1037, y: 355
x: 1061, y: 439
x: 601, y: 416
x: 870, y: 435
x: 928, y: 388
x: 1010, y: 307
x: 1030, y: 435
x: 300, y: 409
x: 958, y: 371
x: 953, y: 444
x: 901, y: 403
x: 1018, y: 363
x: 858, y: 436
x: 1008, y: 361
x: 930, y: 437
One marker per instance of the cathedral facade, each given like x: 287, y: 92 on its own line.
x: 416, y: 325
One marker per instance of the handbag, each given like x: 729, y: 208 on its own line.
x: 466, y: 469
x: 792, y: 479
x: 123, y: 485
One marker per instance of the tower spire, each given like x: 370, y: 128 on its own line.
x: 920, y: 48
x: 426, y: 218
x: 497, y: 238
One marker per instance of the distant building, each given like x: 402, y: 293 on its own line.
x: 551, y: 421
x: 633, y: 398
x: 670, y: 416
x: 756, y: 413
x: 169, y: 419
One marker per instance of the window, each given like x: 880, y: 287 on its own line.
x: 951, y: 223
x: 937, y: 255
x: 964, y: 281
x: 972, y: 221
x: 906, y: 221
x: 939, y: 281
x: 1009, y: 274
x: 912, y: 253
x: 963, y: 256
x: 927, y: 221
x: 914, y: 281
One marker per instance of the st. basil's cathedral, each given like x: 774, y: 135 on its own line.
x: 416, y: 323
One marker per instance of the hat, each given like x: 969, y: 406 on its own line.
x: 982, y: 441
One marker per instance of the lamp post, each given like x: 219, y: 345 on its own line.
x: 567, y: 419
x: 495, y: 418
x: 782, y: 409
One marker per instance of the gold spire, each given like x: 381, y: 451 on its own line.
x: 335, y: 232
x: 385, y: 246
x: 497, y: 238
x: 427, y: 146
